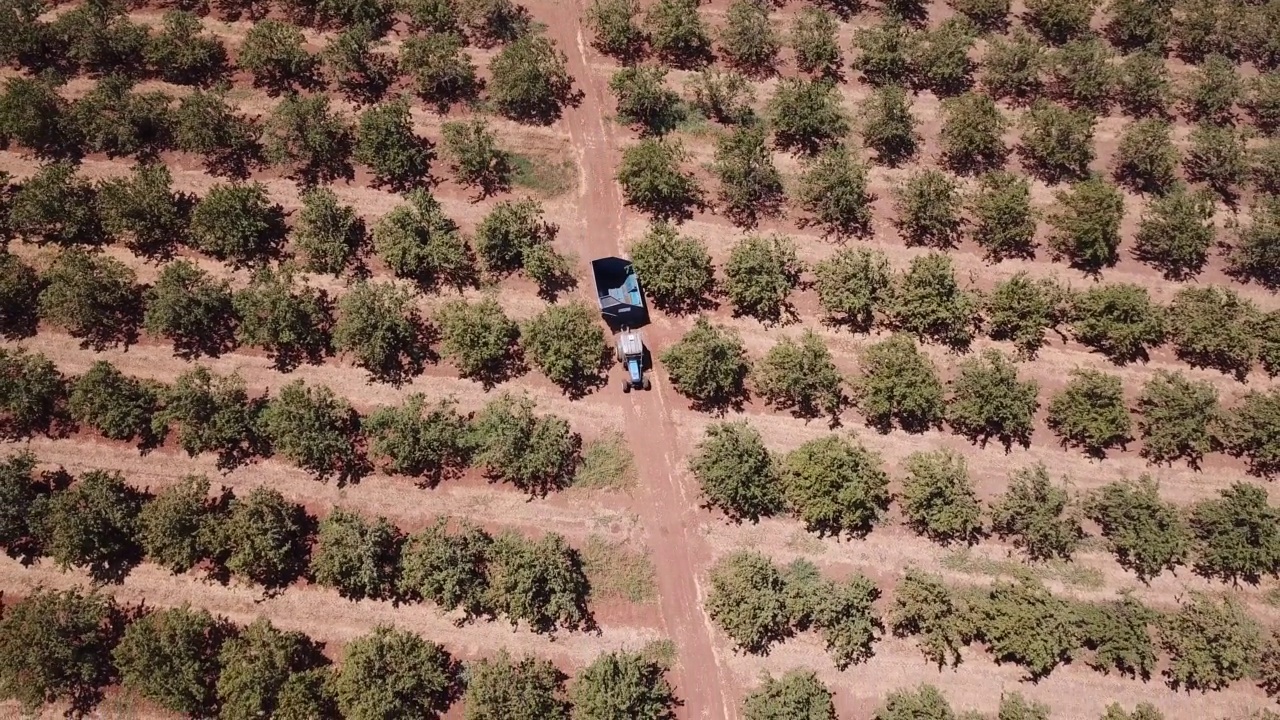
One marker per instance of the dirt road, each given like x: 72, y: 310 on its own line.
x: 667, y: 506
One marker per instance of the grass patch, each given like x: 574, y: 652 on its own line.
x: 660, y: 652
x: 543, y: 175
x: 607, y: 464
x: 804, y: 542
x: 1272, y: 597
x: 1067, y: 573
x: 617, y: 572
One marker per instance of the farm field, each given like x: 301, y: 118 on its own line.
x: 423, y: 449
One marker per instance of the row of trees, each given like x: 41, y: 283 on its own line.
x: 1206, y: 644
x: 837, y: 487
x: 103, y: 525
x: 307, y: 425
x: 69, y: 646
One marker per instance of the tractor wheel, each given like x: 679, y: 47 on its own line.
x: 618, y: 354
x: 626, y: 386
x: 647, y: 385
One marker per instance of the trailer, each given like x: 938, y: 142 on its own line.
x: 618, y: 288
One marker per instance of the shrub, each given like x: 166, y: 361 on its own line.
x: 938, y: 500
x: 922, y: 703
x: 450, y: 569
x: 615, y: 31
x: 315, y: 430
x: 56, y: 205
x: 883, y: 48
x: 1235, y: 535
x: 381, y: 329
x: 1217, y: 158
x: 1176, y: 232
x: 926, y: 608
x: 800, y: 376
x: 833, y: 189
x: 524, y: 689
x: 535, y: 453
x: 1147, y: 534
x: 1090, y: 412
x: 853, y: 286
x: 289, y: 321
x: 928, y: 302
x: 1213, y: 90
x: 474, y: 155
x: 1143, y: 87
x: 747, y: 601
x: 529, y: 81
x: 761, y: 273
x: 645, y: 100
x: 33, y: 394
x: 1082, y: 75
x: 114, y: 119
x: 311, y: 144
x: 988, y: 400
x: 1253, y: 257
x: 939, y: 58
x: 747, y: 40
x: 441, y: 71
x: 971, y: 134
x: 143, y: 212
x: 1211, y: 327
x: 1175, y: 416
x: 566, y: 343
x: 653, y: 181
x: 813, y: 36
x: 394, y: 672
x: 724, y: 96
x: 676, y: 268
x: 708, y: 365
x: 806, y: 115
x: 1119, y: 320
x: 93, y: 525
x: 928, y: 207
x: 888, y: 127
x: 797, y: 694
x: 1086, y: 224
x: 622, y: 683
x: 328, y: 236
x: 1037, y: 516
x: 420, y: 243
x: 204, y: 124
x: 20, y: 287
x: 1004, y: 221
x: 736, y: 472
x: 238, y: 223
x: 1059, y: 22
x: 191, y: 309
x: 677, y: 34
x: 260, y: 667
x: 1210, y: 643
x: 91, y: 297
x: 835, y: 486
x: 273, y: 53
x: 1146, y: 159
x: 1011, y: 67
x: 385, y: 143
x: 357, y: 557
x: 1140, y: 24
x: 1056, y: 143
x: 750, y: 185
x: 117, y: 406
x: 1023, y: 623
x: 898, y: 385
x: 171, y: 658
x: 539, y: 582
x: 352, y: 62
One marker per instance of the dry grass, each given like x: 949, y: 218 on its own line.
x: 618, y: 572
x: 607, y: 464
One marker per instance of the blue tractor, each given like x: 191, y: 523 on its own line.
x: 630, y: 352
x: 622, y: 306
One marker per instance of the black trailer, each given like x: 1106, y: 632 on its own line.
x: 618, y: 287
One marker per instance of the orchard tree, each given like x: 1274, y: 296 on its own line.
x: 204, y: 124
x: 806, y: 115
x: 479, y: 339
x: 1012, y: 66
x: 489, y: 22
x: 882, y: 52
x: 448, y: 568
x: 843, y: 614
x: 677, y: 33
x: 352, y: 62
x: 99, y: 38
x: 1176, y: 232
x: 356, y: 557
x: 1118, y: 634
x: 971, y: 134
x: 800, y: 376
x: 395, y: 673
x: 747, y: 40
x: 328, y: 236
x: 928, y: 302
x: 174, y: 527
x: 677, y: 270
x: 938, y: 500
x: 260, y: 667
x: 536, y: 453
x: 520, y: 689
x: 1090, y: 412
x: 315, y: 430
x: 889, y: 127
x: 1250, y: 429
x: 899, y: 384
x: 20, y: 287
x: 182, y: 53
x: 22, y: 493
x: 420, y: 243
x: 1264, y: 168
x: 1037, y: 515
x: 171, y: 658
x: 273, y: 53
x: 925, y: 702
x: 987, y: 15
x: 475, y: 157
x: 724, y: 96
x: 813, y: 37
x: 939, y: 58
x: 428, y: 443
x: 855, y: 287
x: 539, y: 582
x: 747, y: 602
x: 1086, y: 223
x: 34, y: 115
x: 1212, y: 90
x: 1143, y: 85
x: 1004, y: 223
x: 265, y: 539
x: 115, y: 405
x: 1147, y: 534
x: 1056, y: 143
x: 835, y: 486
x: 1235, y: 535
x: 988, y: 400
x: 761, y: 273
x: 238, y: 223
x: 1262, y: 101
x: 93, y: 525
x: 1058, y: 22
x: 1119, y: 320
x: 622, y: 685
x: 33, y: 395
x: 529, y: 81
x: 191, y: 309
x: 654, y: 182
x: 1140, y: 24
x: 1175, y: 416
x: 615, y: 30
x: 143, y: 212
x: 509, y: 233
x: 385, y: 143
x: 91, y: 297
x: 290, y: 321
x: 56, y: 205
x: 709, y: 366
x: 1212, y: 327
x: 1217, y: 157
x: 114, y: 119
x: 750, y: 184
x: 833, y: 190
x: 928, y: 207
x: 1146, y: 159
x: 1023, y: 623
x: 1082, y: 75
x: 382, y: 331
x: 797, y: 694
x: 566, y: 343
x: 440, y: 70
x: 934, y: 614
x: 1253, y: 256
x: 644, y: 99
x: 737, y: 474
x: 310, y: 143
x: 1210, y: 643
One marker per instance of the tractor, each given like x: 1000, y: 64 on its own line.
x: 630, y: 352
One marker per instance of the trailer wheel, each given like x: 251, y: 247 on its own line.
x: 647, y: 385
x: 618, y: 354
x: 626, y: 386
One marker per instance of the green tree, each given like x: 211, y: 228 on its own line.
x: 441, y: 71
x: 395, y: 673
x: 1119, y: 636
x: 20, y: 287
x: 922, y: 703
x: 678, y: 35
x: 800, y: 376
x: 1217, y: 157
x: 1212, y: 90
x: 56, y: 646
x: 708, y: 365
x: 750, y: 184
x: 91, y: 297
x: 171, y: 658
x: 99, y: 38
x: 448, y: 568
x: 1037, y: 515
x: 21, y: 493
x: 747, y: 601
x: 34, y: 115
x: 238, y: 223
x: 833, y: 189
x: 1147, y: 534
x: 214, y: 414
x: 645, y: 100
x: 835, y: 486
x: 1249, y: 431
x: 529, y: 81
x: 844, y: 617
x: 653, y: 181
x: 724, y: 96
x: 475, y: 157
x: 939, y: 57
x: 813, y: 37
x: 33, y: 395
x: 479, y: 339
x: 316, y: 430
x: 358, y: 558
x: 1212, y: 327
x: 142, y: 211
x: 761, y: 273
x: 806, y: 115
x: 520, y: 689
x: 1236, y: 537
x: 115, y: 119
x: 510, y: 233
x: 56, y: 205
x: 273, y: 53
x: 93, y: 525
x: 1175, y: 414
x: 260, y: 668
x: 489, y: 22
x: 536, y: 453
x: 736, y: 472
x: 934, y: 614
x: 882, y: 52
x: 329, y: 236
x: 1012, y: 66
x: 988, y: 400
x: 1056, y: 143
x: 889, y: 127
x: 928, y: 207
x: 1082, y: 75
x: 424, y: 442
x: 1086, y: 223
x: 677, y: 269
x: 797, y: 694
x: 899, y: 384
x: 1015, y: 707
x: 620, y: 685
x: 1023, y: 623
x: 1252, y: 256
x: 288, y: 320
x: 385, y: 143
x: 615, y: 31
x: 353, y: 63
x: 310, y: 143
x: 379, y: 327
x: 173, y: 527
x: 265, y: 539
x: 205, y: 124
x: 1119, y: 320
x: 115, y: 405
x: 1140, y: 24
x: 191, y: 309
x: 747, y: 40
x: 1004, y: 223
x: 565, y: 342
x: 1264, y: 168
x: 1146, y: 158
x: 1176, y: 232
x: 420, y: 243
x: 1210, y: 643
x: 1143, y: 87
x: 928, y: 302
x: 1090, y: 412
x: 538, y: 582
x: 1058, y: 22
x: 1262, y: 101
x: 938, y: 500
x: 971, y: 134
